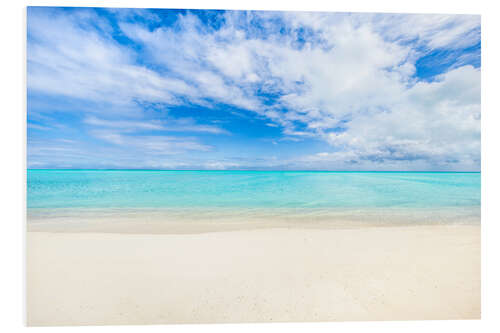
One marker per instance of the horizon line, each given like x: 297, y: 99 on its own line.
x: 254, y: 170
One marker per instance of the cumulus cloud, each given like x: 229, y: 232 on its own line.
x: 437, y: 122
x: 346, y: 79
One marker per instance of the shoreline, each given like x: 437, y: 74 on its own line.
x: 260, y: 275
x: 134, y: 228
x: 200, y: 220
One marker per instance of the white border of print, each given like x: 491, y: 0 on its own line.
x: 13, y: 140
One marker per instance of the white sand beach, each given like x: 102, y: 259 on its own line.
x: 259, y: 275
x: 226, y: 166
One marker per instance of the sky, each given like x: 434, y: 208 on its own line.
x: 259, y: 90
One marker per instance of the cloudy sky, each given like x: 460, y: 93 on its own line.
x: 176, y: 89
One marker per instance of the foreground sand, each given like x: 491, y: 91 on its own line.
x: 262, y: 275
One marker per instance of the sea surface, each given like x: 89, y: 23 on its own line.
x: 424, y: 197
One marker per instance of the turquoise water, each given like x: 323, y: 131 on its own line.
x: 343, y: 198
x: 250, y: 189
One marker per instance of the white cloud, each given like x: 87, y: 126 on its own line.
x: 194, y: 56
x: 436, y: 122
x: 435, y: 31
x: 169, y: 125
x: 68, y: 57
x: 350, y: 83
x: 157, y: 144
x: 127, y: 133
x: 38, y: 127
x: 430, y: 30
x: 124, y: 125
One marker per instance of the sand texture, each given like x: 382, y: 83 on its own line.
x: 260, y: 275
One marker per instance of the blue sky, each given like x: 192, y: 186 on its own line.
x: 186, y: 89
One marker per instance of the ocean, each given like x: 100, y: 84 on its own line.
x: 424, y: 197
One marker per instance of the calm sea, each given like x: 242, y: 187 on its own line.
x: 413, y: 195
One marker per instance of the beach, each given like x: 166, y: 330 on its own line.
x: 189, y: 166
x: 268, y: 274
x: 162, y: 247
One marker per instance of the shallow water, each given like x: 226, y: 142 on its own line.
x: 440, y: 197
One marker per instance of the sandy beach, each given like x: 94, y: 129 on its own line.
x: 187, y: 166
x: 253, y: 275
